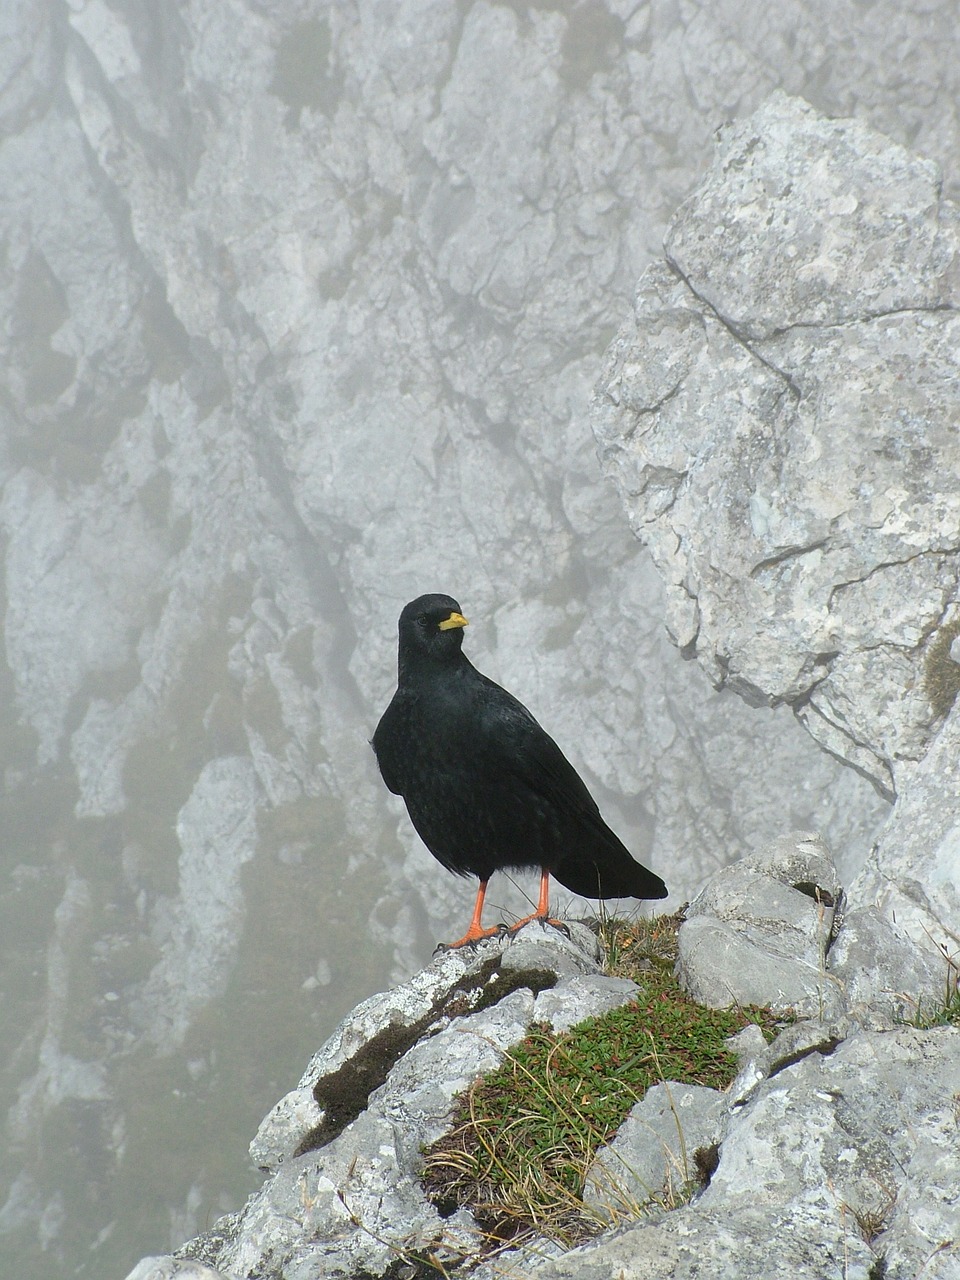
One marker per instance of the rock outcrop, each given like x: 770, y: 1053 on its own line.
x: 842, y: 1163
x: 829, y: 1141
x: 780, y: 417
x: 344, y: 1148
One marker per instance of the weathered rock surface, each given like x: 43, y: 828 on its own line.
x: 168, y: 1268
x: 382, y: 1029
x: 883, y: 967
x: 775, y: 928
x: 344, y: 1148
x: 653, y: 1158
x: 843, y: 1163
x: 913, y: 872
x: 759, y: 931
x: 780, y: 418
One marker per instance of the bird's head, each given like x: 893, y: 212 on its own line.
x: 431, y: 629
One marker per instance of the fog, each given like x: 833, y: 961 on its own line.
x: 304, y: 305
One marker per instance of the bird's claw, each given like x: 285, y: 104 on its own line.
x: 471, y: 943
x: 542, y: 921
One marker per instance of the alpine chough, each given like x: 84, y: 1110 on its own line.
x: 485, y: 786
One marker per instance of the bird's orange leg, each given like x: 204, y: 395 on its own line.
x: 474, y: 931
x: 542, y: 912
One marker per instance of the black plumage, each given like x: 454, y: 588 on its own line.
x: 485, y: 786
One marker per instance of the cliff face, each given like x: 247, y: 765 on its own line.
x: 780, y: 415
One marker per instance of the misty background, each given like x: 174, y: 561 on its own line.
x: 303, y: 306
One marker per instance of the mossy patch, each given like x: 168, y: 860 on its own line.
x: 941, y: 675
x: 524, y: 1136
x: 343, y: 1093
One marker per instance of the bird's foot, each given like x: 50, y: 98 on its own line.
x: 543, y: 919
x: 470, y: 938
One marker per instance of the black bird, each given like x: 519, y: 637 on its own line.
x: 484, y: 785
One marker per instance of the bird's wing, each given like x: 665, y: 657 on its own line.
x: 523, y: 748
x: 588, y: 857
x: 385, y: 747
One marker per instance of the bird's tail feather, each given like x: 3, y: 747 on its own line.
x: 608, y: 874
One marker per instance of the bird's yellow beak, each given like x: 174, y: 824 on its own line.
x: 455, y: 620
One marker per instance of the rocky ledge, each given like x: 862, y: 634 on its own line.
x: 780, y: 414
x: 837, y: 1141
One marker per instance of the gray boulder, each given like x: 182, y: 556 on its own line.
x: 885, y: 976
x: 775, y: 929
x: 654, y: 1155
x: 759, y: 931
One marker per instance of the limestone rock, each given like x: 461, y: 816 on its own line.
x: 798, y: 1040
x: 913, y: 872
x: 344, y: 1148
x: 170, y: 1268
x: 759, y: 931
x: 371, y: 1039
x: 836, y: 1142
x: 848, y: 1138
x: 881, y: 968
x: 841, y: 1164
x: 654, y: 1155
x: 776, y: 929
x: 808, y: 221
x: 575, y: 999
x: 779, y: 416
